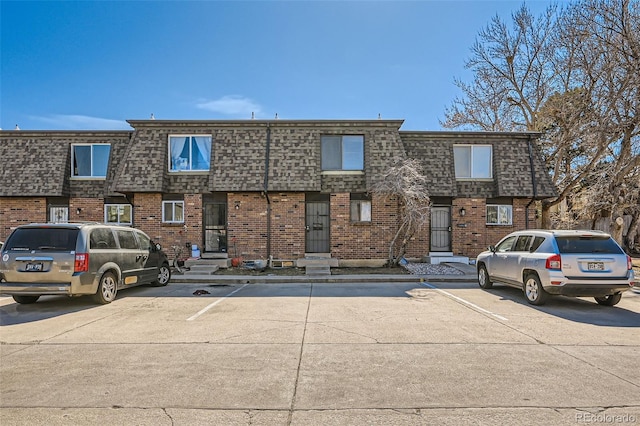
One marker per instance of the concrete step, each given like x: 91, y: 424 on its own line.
x: 202, y: 270
x: 317, y: 270
x: 219, y: 262
x: 214, y: 255
x: 317, y: 261
x: 436, y: 260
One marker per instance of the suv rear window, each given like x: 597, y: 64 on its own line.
x: 52, y: 239
x: 588, y: 244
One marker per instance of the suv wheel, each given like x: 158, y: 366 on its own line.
x: 483, y: 278
x: 107, y: 289
x: 25, y: 300
x: 533, y: 290
x: 609, y: 300
x: 164, y: 275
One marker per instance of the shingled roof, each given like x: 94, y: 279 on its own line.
x: 512, y: 175
x: 38, y: 163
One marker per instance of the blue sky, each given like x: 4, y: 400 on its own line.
x: 76, y: 65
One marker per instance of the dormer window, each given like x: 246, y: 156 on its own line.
x: 189, y: 153
x: 473, y: 161
x: 90, y: 160
x: 342, y: 152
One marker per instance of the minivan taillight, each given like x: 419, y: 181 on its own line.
x: 82, y: 262
x: 554, y: 262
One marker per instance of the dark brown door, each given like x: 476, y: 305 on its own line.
x: 317, y: 227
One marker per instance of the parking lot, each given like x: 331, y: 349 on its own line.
x: 396, y: 353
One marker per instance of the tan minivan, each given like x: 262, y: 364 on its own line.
x: 77, y: 259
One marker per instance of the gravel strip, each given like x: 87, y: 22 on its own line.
x: 429, y: 269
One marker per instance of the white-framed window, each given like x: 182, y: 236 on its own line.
x: 360, y: 208
x: 473, y: 161
x: 189, y: 153
x: 499, y: 214
x: 173, y: 211
x: 90, y: 160
x: 118, y: 214
x: 344, y: 152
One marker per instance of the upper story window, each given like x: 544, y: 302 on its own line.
x: 189, y: 153
x: 117, y: 214
x: 473, y: 161
x: 90, y: 160
x: 342, y: 152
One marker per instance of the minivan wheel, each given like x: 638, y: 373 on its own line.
x: 533, y: 290
x: 25, y: 300
x: 609, y: 300
x: 107, y: 289
x: 483, y: 278
x: 164, y: 275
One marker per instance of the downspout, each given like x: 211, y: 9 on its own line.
x: 533, y: 184
x: 266, y: 192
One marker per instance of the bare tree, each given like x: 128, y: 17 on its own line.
x: 572, y: 73
x: 405, y: 182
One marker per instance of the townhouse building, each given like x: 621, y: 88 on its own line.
x: 273, y: 189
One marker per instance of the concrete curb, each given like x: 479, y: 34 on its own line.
x: 280, y: 279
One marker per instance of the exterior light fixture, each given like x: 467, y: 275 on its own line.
x: 463, y: 212
x: 78, y: 210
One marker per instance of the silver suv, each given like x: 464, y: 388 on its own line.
x: 570, y: 263
x: 79, y: 259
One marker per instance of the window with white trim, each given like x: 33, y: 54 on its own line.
x: 119, y: 214
x: 360, y: 208
x: 90, y: 160
x: 499, y: 214
x: 173, y: 211
x: 189, y: 153
x: 342, y: 152
x: 473, y: 161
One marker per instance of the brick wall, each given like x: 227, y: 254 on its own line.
x: 90, y: 210
x: 20, y: 211
x: 471, y: 234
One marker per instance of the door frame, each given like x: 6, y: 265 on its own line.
x: 436, y: 233
x: 322, y: 244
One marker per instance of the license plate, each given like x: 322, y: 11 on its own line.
x: 34, y: 267
x: 595, y: 266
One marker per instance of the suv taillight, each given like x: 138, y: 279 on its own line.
x: 82, y: 262
x: 554, y: 262
x: 629, y: 263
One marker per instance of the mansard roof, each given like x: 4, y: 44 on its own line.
x: 38, y: 163
x: 512, y: 163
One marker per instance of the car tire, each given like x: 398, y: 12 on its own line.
x: 609, y: 300
x: 107, y: 289
x: 164, y: 275
x: 533, y: 290
x: 26, y: 300
x: 484, y: 281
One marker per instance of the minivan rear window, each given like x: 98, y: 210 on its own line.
x: 588, y: 244
x: 45, y: 239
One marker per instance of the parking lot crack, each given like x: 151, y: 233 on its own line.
x: 304, y: 334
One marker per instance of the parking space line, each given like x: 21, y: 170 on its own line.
x: 211, y: 305
x: 466, y: 302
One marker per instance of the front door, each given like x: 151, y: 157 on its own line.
x: 317, y: 227
x: 215, y: 227
x: 441, y: 228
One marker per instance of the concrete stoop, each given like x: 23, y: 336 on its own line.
x: 201, y: 270
x: 317, y: 263
x: 444, y: 257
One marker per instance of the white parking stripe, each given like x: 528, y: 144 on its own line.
x: 461, y: 300
x: 211, y: 305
